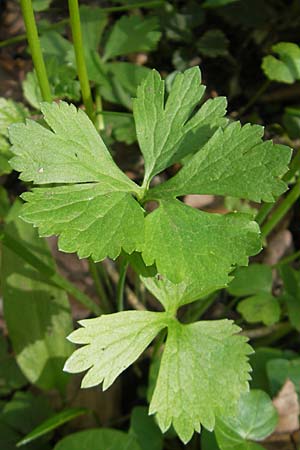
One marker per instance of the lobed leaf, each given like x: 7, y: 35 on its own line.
x: 164, y: 131
x: 187, y: 244
x: 111, y: 344
x: 91, y: 219
x: 80, y: 154
x: 286, y: 69
x: 203, y: 371
x: 255, y: 419
x: 131, y: 34
x: 234, y: 162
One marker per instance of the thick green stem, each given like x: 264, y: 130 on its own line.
x: 282, y: 209
x: 121, y: 285
x: 35, y: 48
x: 48, y: 272
x: 80, y: 60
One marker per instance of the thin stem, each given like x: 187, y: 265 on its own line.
x: 281, y: 210
x: 267, y: 207
x: 121, y: 285
x: 49, y: 272
x: 288, y: 259
x: 255, y: 97
x: 80, y: 60
x: 99, y: 116
x: 35, y: 48
x: 99, y: 287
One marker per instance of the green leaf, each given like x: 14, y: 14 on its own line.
x: 123, y: 79
x: 208, y: 441
x: 52, y: 423
x: 40, y: 5
x: 234, y: 162
x: 217, y: 3
x: 25, y: 411
x: 37, y: 314
x: 165, y: 134
x: 81, y: 213
x: 213, y: 43
x: 207, y: 245
x: 258, y: 362
x: 279, y: 370
x: 111, y: 344
x: 10, y: 112
x: 98, y: 439
x: 286, y: 69
x: 132, y: 34
x: 53, y: 44
x: 254, y: 279
x: 291, y: 122
x: 203, y: 371
x: 77, y: 212
x: 11, y: 377
x: 93, y: 22
x: 144, y: 429
x: 291, y: 296
x: 262, y: 307
x: 80, y: 154
x: 255, y: 420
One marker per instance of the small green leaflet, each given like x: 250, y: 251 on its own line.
x: 208, y: 351
x: 286, y: 69
x: 165, y: 134
x: 112, y: 343
x: 262, y: 307
x: 255, y: 419
x: 131, y: 34
x: 234, y: 162
x: 10, y: 112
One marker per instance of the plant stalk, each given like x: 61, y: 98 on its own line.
x: 35, y: 48
x: 80, y: 60
x: 121, y: 285
x: 99, y: 287
x: 267, y: 207
x: 282, y: 209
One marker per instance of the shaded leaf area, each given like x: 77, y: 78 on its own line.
x: 19, y: 416
x: 102, y: 439
x: 51, y: 424
x: 37, y: 314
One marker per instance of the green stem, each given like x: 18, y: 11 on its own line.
x: 288, y: 259
x: 267, y: 207
x: 281, y: 210
x: 99, y: 116
x: 121, y: 285
x: 49, y: 272
x: 255, y: 97
x: 35, y: 48
x: 98, y: 285
x: 80, y: 60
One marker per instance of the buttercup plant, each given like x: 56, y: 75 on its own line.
x: 180, y: 253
